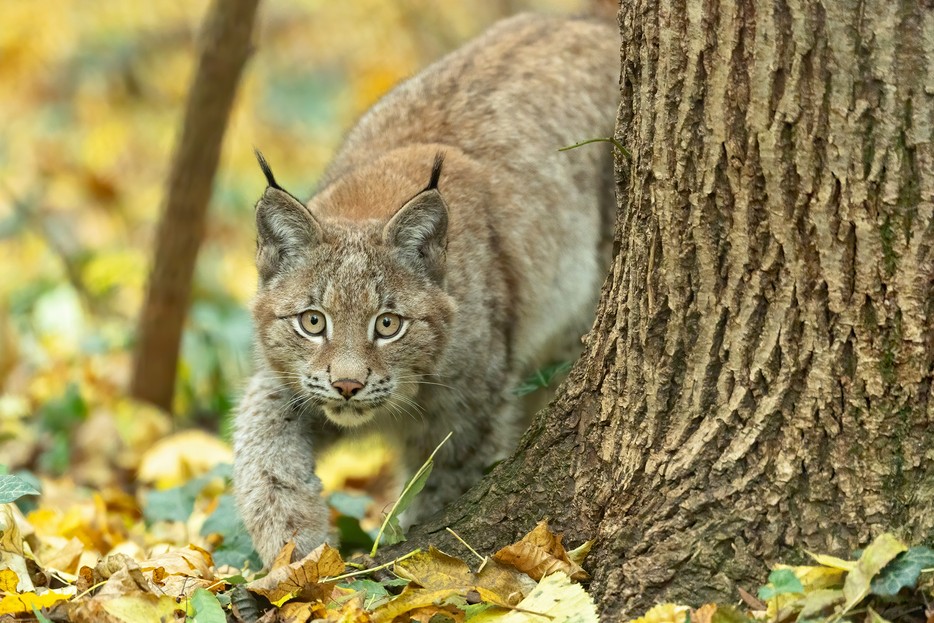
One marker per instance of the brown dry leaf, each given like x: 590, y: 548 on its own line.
x: 440, y: 576
x: 540, y: 553
x: 413, y: 599
x: 302, y: 611
x: 302, y: 578
x: 704, y: 614
x: 124, y: 577
x: 284, y: 557
x: 64, y: 558
x: 428, y: 613
x: 506, y: 580
x: 350, y: 611
x: 191, y: 561
x: 180, y: 572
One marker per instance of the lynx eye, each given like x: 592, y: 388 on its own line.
x: 312, y: 322
x: 388, y: 325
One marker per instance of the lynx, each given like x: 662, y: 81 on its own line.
x: 450, y: 250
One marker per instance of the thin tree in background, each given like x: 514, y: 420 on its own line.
x: 759, y: 378
x: 225, y: 46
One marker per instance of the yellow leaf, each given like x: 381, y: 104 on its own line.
x: 412, y: 599
x: 540, y: 553
x: 832, y: 561
x: 878, y: 554
x: 579, y: 553
x: 557, y: 599
x: 436, y: 571
x: 143, y: 607
x: 8, y: 581
x: 301, y: 611
x: 813, y: 578
x: 178, y: 458
x: 664, y: 613
x: 818, y: 603
x: 25, y: 602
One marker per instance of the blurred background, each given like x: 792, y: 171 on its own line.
x: 93, y: 95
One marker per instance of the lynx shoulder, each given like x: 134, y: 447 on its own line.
x: 451, y: 249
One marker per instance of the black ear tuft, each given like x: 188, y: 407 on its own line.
x: 436, y: 171
x: 270, y: 178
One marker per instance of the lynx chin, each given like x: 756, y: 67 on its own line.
x: 450, y: 250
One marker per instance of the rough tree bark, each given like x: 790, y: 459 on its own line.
x: 225, y: 46
x: 759, y: 376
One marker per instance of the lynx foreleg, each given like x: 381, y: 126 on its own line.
x: 277, y: 491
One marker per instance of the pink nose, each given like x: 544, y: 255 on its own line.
x: 347, y: 387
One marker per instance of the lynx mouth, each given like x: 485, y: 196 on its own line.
x: 349, y: 415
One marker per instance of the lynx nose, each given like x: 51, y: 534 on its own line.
x: 347, y: 387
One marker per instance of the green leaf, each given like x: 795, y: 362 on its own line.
x: 349, y: 504
x: 472, y: 611
x: 41, y: 618
x: 206, y: 608
x: 728, y: 614
x: 65, y: 412
x: 13, y: 487
x: 875, y: 617
x: 902, y: 572
x: 391, y: 525
x: 236, y: 548
x: 174, y: 504
x: 353, y: 538
x: 542, y: 378
x: 177, y: 504
x: 375, y: 594
x: 781, y: 582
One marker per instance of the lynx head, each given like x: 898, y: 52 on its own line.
x: 352, y: 313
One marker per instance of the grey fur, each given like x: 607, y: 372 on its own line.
x: 495, y: 271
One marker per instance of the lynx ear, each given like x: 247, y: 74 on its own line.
x: 419, y: 229
x: 285, y: 227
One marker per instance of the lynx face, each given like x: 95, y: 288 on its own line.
x: 352, y: 315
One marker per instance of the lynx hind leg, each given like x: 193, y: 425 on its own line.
x: 462, y: 461
x: 277, y: 491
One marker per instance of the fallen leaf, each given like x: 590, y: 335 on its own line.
x: 123, y: 578
x: 704, y: 614
x: 832, y: 561
x: 902, y: 572
x: 302, y: 611
x: 438, y: 577
x: 877, y: 555
x: 138, y: 608
x: 557, y: 599
x: 302, y: 578
x: 25, y: 602
x: 11, y: 549
x: 664, y: 613
x: 176, y: 459
x: 540, y: 553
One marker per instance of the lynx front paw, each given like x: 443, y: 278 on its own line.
x: 277, y: 513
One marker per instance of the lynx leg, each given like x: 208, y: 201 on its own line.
x: 277, y: 492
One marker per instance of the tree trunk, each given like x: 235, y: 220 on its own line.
x: 225, y: 46
x: 759, y: 377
